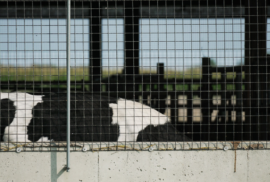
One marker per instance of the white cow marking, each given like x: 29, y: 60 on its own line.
x: 132, y: 117
x: 24, y: 103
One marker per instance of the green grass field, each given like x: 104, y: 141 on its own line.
x: 78, y: 73
x: 42, y: 74
x: 82, y: 73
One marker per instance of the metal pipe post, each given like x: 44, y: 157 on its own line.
x: 68, y: 84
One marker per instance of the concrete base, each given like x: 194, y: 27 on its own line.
x: 125, y: 166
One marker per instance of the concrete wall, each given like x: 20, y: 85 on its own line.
x: 125, y: 166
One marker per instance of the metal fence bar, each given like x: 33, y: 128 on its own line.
x: 68, y: 84
x: 210, y: 83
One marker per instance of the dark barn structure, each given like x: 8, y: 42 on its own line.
x: 231, y: 102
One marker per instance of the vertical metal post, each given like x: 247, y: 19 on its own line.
x: 68, y: 83
x: 255, y: 62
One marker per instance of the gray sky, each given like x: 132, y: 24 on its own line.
x: 113, y: 43
x: 181, y: 43
x: 24, y: 42
x: 178, y: 43
x: 268, y: 36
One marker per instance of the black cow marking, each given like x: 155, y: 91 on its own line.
x: 7, y: 109
x: 90, y: 119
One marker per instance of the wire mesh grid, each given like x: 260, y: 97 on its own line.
x: 145, y: 75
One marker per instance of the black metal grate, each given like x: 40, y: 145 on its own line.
x: 202, y: 64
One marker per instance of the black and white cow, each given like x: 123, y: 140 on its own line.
x: 41, y: 118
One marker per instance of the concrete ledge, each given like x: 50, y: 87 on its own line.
x: 135, y: 146
x: 103, y: 166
